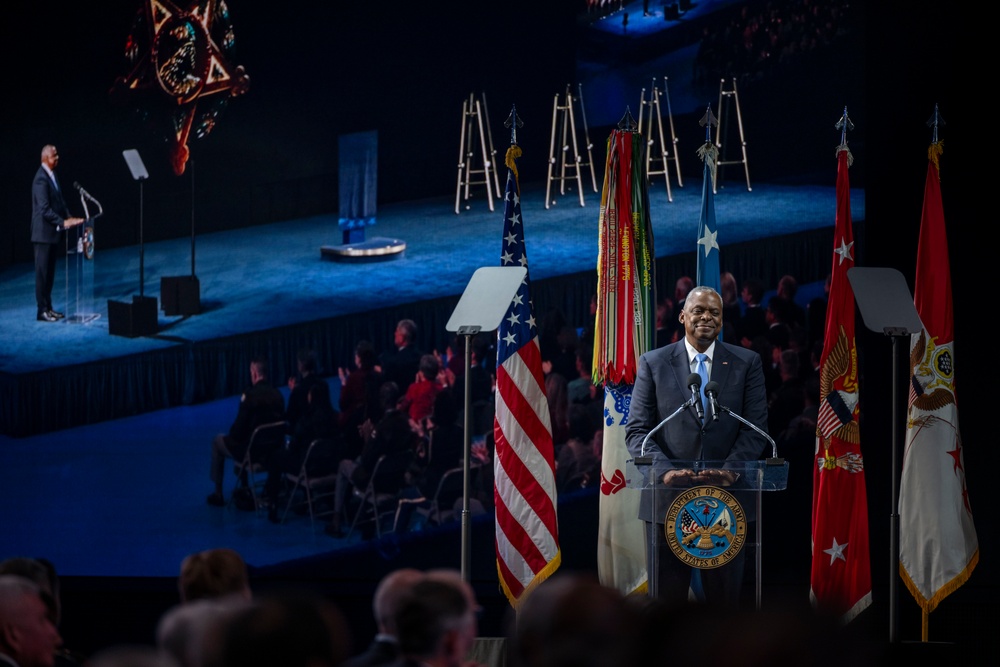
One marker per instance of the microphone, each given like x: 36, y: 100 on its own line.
x: 694, y: 384
x: 712, y: 393
x: 79, y: 188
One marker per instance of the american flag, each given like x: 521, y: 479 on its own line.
x: 527, y: 534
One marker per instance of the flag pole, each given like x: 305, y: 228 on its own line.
x: 925, y: 614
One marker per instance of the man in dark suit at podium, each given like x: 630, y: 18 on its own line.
x: 661, y: 387
x: 49, y: 218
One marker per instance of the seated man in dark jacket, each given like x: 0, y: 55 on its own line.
x: 392, y: 437
x: 319, y: 423
x: 260, y: 404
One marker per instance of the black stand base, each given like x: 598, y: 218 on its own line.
x: 133, y: 319
x: 180, y: 295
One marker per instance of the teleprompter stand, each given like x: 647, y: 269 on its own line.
x: 483, y: 304
x: 137, y: 318
x: 886, y: 307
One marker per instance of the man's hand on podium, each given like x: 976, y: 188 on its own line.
x: 72, y: 222
x: 687, y: 476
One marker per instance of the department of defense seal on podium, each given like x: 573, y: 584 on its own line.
x: 705, y: 527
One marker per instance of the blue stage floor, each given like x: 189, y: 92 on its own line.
x: 270, y: 276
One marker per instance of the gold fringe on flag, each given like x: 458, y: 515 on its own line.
x: 934, y: 152
x: 510, y: 159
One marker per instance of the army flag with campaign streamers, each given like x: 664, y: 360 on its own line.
x: 625, y: 329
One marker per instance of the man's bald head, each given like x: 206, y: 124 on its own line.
x: 390, y: 591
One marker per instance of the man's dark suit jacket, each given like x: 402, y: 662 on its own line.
x: 48, y: 209
x: 380, y: 652
x: 661, y: 387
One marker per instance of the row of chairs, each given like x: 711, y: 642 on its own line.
x: 314, y: 493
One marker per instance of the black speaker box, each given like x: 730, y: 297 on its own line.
x: 180, y: 295
x: 133, y: 319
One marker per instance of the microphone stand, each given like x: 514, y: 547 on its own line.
x: 782, y: 474
x: 774, y: 446
x: 643, y: 460
x: 642, y: 450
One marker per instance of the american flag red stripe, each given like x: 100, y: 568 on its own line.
x: 527, y: 532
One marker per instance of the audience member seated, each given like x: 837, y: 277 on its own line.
x: 43, y: 574
x: 391, y: 590
x: 437, y: 623
x: 570, y: 620
x: 260, y: 404
x: 286, y: 628
x: 391, y: 436
x: 754, y: 320
x: 732, y: 312
x: 788, y: 287
x: 788, y: 399
x: 212, y: 584
x: 306, y: 377
x: 581, y: 389
x: 816, y: 314
x: 577, y: 466
x: 445, y: 450
x: 418, y: 401
x: 181, y: 631
x: 320, y: 422
x: 359, y: 396
x: 28, y: 637
x: 401, y: 363
x: 665, y: 322
x: 454, y: 356
x: 482, y: 385
x: 213, y: 573
x: 555, y: 393
x: 564, y: 361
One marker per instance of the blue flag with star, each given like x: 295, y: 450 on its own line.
x: 707, y: 271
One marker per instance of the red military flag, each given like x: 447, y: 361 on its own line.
x: 840, y: 579
x: 527, y: 535
x: 938, y: 547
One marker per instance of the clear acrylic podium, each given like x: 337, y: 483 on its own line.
x: 705, y: 522
x: 80, y: 263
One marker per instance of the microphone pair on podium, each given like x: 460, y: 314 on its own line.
x: 711, y: 392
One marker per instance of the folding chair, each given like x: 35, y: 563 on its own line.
x: 250, y: 471
x: 313, y: 488
x: 439, y: 508
x: 378, y: 497
x: 448, y: 489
